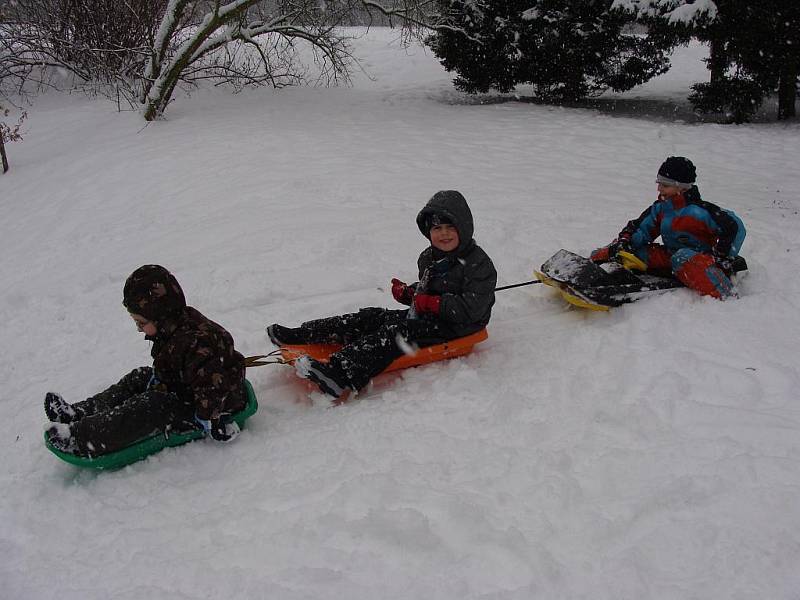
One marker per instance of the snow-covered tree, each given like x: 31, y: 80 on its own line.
x: 567, y: 49
x: 676, y: 11
x: 96, y: 45
x: 754, y: 49
x: 768, y: 49
x: 141, y: 50
x: 251, y: 42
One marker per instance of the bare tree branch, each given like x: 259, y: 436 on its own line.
x: 143, y: 49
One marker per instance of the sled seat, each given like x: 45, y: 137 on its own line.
x: 450, y: 349
x: 149, y: 445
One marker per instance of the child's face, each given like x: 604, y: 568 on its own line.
x: 444, y: 237
x: 143, y: 325
x: 668, y: 191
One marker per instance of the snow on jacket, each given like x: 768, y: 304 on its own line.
x: 464, y: 278
x: 193, y: 357
x: 687, y: 221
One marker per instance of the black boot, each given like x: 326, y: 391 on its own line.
x: 60, y: 436
x: 327, y: 377
x: 59, y: 410
x: 287, y: 336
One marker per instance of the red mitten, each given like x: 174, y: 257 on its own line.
x: 601, y: 255
x: 401, y: 292
x: 609, y: 253
x: 426, y: 303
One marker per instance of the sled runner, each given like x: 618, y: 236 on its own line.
x: 150, y: 445
x: 588, y: 285
x: 450, y: 349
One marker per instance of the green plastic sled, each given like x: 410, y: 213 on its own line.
x: 149, y: 445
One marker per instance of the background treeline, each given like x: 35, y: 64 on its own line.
x: 570, y: 49
x: 140, y: 51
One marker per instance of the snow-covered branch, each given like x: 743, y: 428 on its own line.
x: 94, y: 45
x: 415, y: 13
x: 675, y: 11
x: 143, y: 49
x: 227, y: 42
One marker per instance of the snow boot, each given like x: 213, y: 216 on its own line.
x: 59, y: 410
x: 60, y: 436
x: 699, y: 272
x: 324, y: 375
x: 288, y: 336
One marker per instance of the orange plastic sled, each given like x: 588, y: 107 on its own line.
x: 452, y: 349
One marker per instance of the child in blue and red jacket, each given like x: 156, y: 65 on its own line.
x: 700, y: 239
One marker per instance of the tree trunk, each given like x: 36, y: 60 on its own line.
x: 166, y: 30
x: 155, y: 107
x: 787, y: 90
x: 156, y: 104
x: 717, y: 59
x: 3, y: 154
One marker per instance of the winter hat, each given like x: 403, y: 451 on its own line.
x: 677, y: 171
x: 438, y: 219
x: 153, y: 292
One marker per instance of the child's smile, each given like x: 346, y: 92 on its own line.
x: 444, y: 237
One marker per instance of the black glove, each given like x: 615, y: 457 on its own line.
x: 724, y: 262
x: 620, y: 245
x: 224, y: 432
x: 219, y: 429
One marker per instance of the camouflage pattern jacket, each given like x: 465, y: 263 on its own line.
x: 194, y: 358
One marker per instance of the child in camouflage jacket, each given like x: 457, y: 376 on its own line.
x: 197, y: 377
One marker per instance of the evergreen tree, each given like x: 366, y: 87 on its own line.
x: 567, y: 49
x: 754, y: 49
x: 768, y: 49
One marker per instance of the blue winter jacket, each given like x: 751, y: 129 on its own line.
x: 687, y: 221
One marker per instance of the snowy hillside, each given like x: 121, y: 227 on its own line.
x: 649, y: 453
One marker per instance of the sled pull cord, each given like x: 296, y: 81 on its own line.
x: 273, y: 358
x: 514, y: 285
x: 276, y: 357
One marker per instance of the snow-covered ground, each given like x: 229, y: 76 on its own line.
x: 650, y: 452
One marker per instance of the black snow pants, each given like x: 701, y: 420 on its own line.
x: 127, y: 412
x: 372, y: 338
